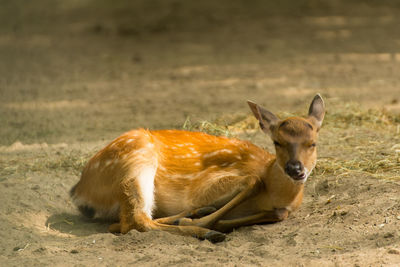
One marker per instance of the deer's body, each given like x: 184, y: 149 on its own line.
x: 193, y: 183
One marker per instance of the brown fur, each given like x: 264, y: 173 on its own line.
x: 242, y: 183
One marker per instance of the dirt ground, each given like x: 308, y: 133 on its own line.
x: 75, y: 74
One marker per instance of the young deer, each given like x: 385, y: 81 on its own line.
x: 197, y: 184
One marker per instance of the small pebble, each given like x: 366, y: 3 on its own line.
x: 35, y: 187
x: 74, y: 251
x: 394, y: 251
x: 388, y: 235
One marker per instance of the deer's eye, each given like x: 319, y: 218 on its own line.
x: 313, y: 145
x: 277, y: 144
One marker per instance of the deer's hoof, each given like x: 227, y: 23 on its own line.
x: 214, y: 236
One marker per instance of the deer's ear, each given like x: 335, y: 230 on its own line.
x: 316, y: 111
x: 266, y: 118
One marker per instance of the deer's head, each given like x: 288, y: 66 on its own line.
x: 295, y: 138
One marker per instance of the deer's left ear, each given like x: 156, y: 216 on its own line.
x: 316, y: 111
x: 266, y: 118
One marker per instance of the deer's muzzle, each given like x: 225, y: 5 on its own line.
x: 295, y: 170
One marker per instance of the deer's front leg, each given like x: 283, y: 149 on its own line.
x: 272, y: 216
x: 192, y: 214
x: 240, y: 187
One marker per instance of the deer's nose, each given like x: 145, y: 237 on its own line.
x: 294, y: 168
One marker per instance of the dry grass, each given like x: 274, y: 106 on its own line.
x: 365, y: 141
x: 213, y: 128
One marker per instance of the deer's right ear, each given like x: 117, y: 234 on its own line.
x: 317, y: 111
x: 266, y: 118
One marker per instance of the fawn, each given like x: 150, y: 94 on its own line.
x: 197, y: 184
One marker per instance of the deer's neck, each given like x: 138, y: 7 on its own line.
x: 284, y: 191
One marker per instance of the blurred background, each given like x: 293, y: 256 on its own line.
x: 87, y: 70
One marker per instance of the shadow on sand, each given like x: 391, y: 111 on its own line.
x: 77, y: 225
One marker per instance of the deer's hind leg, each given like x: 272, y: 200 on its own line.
x: 137, y: 202
x: 136, y: 198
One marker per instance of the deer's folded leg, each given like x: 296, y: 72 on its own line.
x: 272, y: 216
x: 193, y: 214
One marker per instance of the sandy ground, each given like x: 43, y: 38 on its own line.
x: 75, y: 74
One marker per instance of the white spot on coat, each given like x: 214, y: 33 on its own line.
x: 211, y: 154
x: 150, y: 145
x: 228, y: 151
x: 217, y: 152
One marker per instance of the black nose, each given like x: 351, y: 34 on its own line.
x: 294, y: 168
